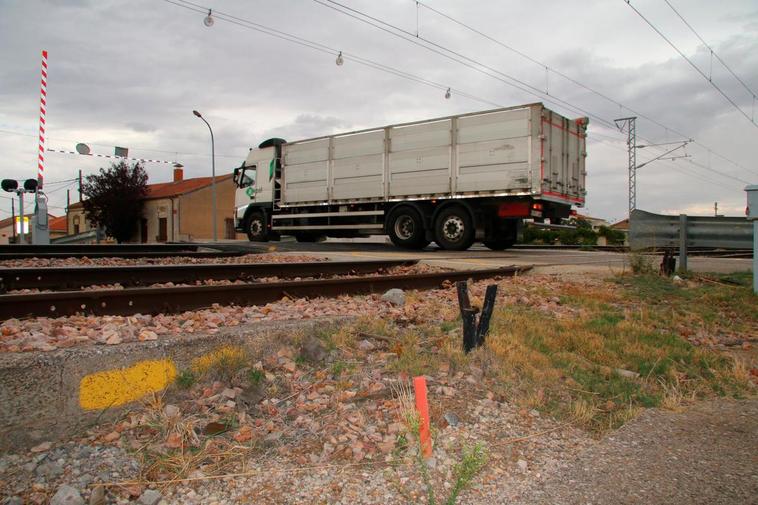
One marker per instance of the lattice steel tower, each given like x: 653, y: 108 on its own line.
x: 629, y: 125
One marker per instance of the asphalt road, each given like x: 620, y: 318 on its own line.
x: 544, y: 261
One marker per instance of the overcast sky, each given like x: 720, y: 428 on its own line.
x: 130, y: 74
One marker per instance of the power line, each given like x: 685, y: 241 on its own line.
x: 713, y: 53
x: 464, y: 60
x: 329, y: 50
x: 710, y: 81
x: 578, y: 83
x: 414, y: 39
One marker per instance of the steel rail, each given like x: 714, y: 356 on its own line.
x: 62, y: 278
x: 124, y: 254
x: 83, y: 248
x: 179, y: 299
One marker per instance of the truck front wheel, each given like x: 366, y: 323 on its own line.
x: 406, y: 228
x: 257, y: 230
x: 454, y: 229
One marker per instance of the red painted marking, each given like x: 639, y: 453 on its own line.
x: 422, y: 405
x: 563, y: 196
x: 560, y: 127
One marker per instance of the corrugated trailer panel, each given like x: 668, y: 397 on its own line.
x: 493, y: 152
x: 358, y: 166
x: 307, y: 174
x: 522, y: 150
x: 419, y: 159
x: 563, y: 152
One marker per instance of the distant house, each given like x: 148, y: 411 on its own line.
x: 595, y: 222
x: 179, y: 210
x: 622, y: 225
x: 57, y: 226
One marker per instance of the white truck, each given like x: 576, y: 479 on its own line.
x: 451, y: 180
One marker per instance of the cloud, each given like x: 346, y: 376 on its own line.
x: 131, y: 74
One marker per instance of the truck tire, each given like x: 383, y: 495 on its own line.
x: 256, y: 227
x: 406, y: 228
x: 498, y: 244
x: 454, y: 229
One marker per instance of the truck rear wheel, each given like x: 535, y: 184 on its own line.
x: 454, y: 229
x: 256, y: 227
x: 406, y: 228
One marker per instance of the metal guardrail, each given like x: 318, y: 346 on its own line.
x: 648, y: 230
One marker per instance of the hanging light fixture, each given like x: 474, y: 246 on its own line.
x: 340, y: 60
x: 208, y: 21
x: 447, y: 94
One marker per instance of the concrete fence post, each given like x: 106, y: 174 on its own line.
x: 682, y: 243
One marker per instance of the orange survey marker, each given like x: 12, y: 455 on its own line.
x: 422, y: 406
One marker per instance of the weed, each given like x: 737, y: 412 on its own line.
x: 641, y: 263
x: 186, y: 379
x: 255, y: 376
x: 473, y: 460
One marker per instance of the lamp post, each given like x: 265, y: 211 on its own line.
x: 213, y: 175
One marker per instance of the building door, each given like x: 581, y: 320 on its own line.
x: 143, y: 230
x: 162, y: 229
x: 229, y: 228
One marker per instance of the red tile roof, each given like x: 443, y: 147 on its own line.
x: 58, y: 224
x: 169, y: 189
x: 8, y: 221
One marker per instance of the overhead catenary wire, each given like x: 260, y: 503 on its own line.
x: 409, y: 37
x: 548, y: 68
x: 692, y: 64
x: 713, y: 53
x: 331, y: 51
x: 459, y: 58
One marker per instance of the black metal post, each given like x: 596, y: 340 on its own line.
x: 484, y: 319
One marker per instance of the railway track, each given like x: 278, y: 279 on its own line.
x: 179, y: 299
x: 66, y: 278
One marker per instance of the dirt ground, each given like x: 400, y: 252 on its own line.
x: 706, y: 454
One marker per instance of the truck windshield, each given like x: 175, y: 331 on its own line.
x: 248, y: 177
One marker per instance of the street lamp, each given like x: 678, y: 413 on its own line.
x: 213, y: 175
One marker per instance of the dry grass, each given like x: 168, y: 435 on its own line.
x: 618, y: 347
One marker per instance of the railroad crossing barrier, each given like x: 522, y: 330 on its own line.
x: 648, y: 230
x: 752, y: 215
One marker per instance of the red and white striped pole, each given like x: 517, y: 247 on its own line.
x: 42, y: 113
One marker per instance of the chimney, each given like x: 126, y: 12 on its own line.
x: 178, y: 172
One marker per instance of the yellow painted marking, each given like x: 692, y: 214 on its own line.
x: 112, y: 388
x: 227, y: 355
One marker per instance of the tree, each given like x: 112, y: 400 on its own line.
x: 114, y: 199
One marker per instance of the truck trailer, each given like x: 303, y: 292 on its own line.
x: 452, y: 180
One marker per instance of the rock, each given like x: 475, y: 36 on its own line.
x: 677, y: 280
x: 112, y: 436
x: 150, y: 497
x: 171, y: 411
x: 114, y: 339
x: 451, y: 418
x: 98, y: 496
x: 15, y: 500
x: 66, y: 495
x: 365, y: 345
x: 395, y: 296
x: 522, y: 465
x: 44, y: 446
x: 49, y: 470
x: 627, y: 373
x: 313, y: 350
x: 229, y: 393
x: 147, y: 335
